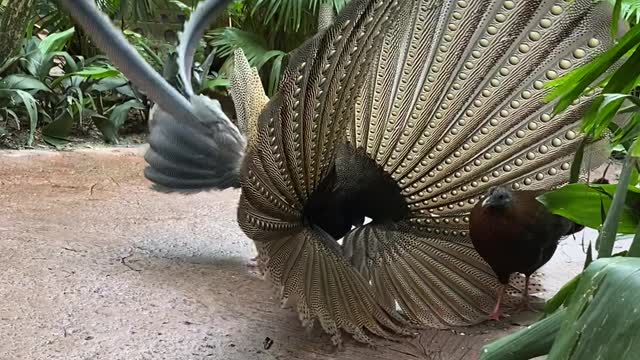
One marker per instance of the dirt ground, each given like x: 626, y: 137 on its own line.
x: 95, y: 265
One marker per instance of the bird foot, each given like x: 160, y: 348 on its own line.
x: 526, y: 306
x: 253, y: 262
x: 495, y: 315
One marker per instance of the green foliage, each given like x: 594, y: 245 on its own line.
x: 267, y: 30
x: 582, y: 203
x: 226, y: 40
x: 628, y: 10
x: 62, y: 92
x: 533, y: 341
x: 601, y: 320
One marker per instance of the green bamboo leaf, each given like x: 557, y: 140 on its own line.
x: 274, y: 79
x: 605, y: 107
x: 218, y: 82
x: 615, y: 18
x: 569, y: 87
x: 635, y: 148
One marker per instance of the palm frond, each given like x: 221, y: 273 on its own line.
x: 291, y: 15
x: 256, y: 49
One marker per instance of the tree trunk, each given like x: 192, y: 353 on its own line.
x: 13, y: 23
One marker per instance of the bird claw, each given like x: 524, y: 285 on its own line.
x: 526, y: 306
x: 496, y: 315
x: 253, y: 262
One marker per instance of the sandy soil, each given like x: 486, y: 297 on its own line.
x: 95, y: 265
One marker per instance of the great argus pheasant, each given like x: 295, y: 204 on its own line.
x: 405, y: 112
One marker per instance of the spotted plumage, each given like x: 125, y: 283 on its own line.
x: 403, y: 111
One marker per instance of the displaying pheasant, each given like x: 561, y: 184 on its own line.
x: 405, y: 112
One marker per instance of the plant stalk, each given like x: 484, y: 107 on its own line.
x: 607, y: 236
x: 634, y: 249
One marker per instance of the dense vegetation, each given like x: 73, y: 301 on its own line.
x: 55, y: 85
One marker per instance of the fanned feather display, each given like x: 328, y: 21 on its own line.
x: 444, y: 99
x: 402, y: 111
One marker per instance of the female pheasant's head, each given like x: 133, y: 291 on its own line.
x: 498, y: 197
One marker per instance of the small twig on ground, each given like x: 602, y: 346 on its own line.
x: 91, y: 189
x: 123, y: 261
x: 70, y: 249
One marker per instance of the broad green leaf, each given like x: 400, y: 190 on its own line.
x: 128, y: 91
x: 634, y: 249
x: 22, y: 82
x: 530, y: 342
x: 581, y: 203
x: 56, y: 41
x: 603, y: 319
x: 58, y: 143
x: 91, y: 72
x: 13, y: 115
x: 120, y: 113
x: 562, y: 296
x: 32, y: 110
x: 108, y: 84
x: 218, y: 82
x: 107, y: 129
x: 47, y: 63
x: 60, y: 128
x: 97, y: 72
x: 8, y: 63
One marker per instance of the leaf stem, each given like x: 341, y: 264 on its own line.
x: 607, y: 236
x: 634, y: 249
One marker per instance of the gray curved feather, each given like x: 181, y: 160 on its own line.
x: 194, y: 156
x: 193, y: 144
x: 189, y: 38
x: 126, y: 58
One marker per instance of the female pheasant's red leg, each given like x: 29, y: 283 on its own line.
x: 495, y: 315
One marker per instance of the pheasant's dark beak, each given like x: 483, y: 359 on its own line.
x: 486, y: 201
x: 489, y: 201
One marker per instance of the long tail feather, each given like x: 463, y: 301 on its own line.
x: 111, y: 40
x: 189, y: 38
